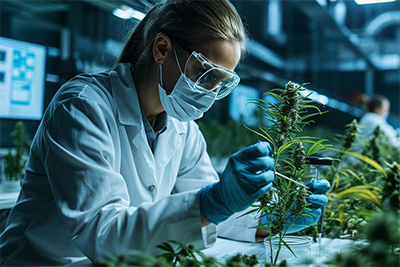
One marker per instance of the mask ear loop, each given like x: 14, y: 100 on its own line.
x: 177, y: 61
x: 160, y: 65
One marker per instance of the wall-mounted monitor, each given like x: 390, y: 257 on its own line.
x: 237, y: 104
x: 22, y: 79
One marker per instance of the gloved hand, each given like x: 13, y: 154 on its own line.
x: 247, y: 176
x: 312, y: 212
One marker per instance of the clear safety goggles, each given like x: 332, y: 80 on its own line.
x: 208, y: 75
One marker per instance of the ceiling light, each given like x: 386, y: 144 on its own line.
x: 366, y: 2
x: 126, y: 12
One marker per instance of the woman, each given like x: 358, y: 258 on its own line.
x: 117, y: 162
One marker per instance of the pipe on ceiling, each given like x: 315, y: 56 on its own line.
x: 381, y: 22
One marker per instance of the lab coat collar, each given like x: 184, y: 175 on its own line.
x: 124, y: 92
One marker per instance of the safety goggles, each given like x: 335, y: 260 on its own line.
x: 208, y: 75
x: 205, y: 74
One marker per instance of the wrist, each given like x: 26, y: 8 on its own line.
x: 210, y: 206
x: 204, y: 221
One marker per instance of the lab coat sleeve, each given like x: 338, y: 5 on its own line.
x: 78, y: 156
x: 196, y: 170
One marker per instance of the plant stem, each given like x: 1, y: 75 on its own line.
x: 279, y: 247
x: 270, y: 246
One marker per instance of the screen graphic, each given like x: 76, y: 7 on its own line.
x: 22, y: 77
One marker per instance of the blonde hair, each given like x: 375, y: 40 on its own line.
x: 190, y: 21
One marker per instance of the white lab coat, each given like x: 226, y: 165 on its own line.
x: 93, y: 188
x: 372, y: 120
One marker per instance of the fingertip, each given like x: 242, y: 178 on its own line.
x: 321, y: 200
x: 261, y: 148
x: 323, y: 183
x: 268, y: 176
x: 266, y: 188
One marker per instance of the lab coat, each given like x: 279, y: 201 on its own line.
x: 372, y: 120
x: 94, y: 189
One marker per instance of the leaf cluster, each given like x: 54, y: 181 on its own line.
x: 287, y: 118
x: 383, y: 238
x: 363, y: 183
x: 178, y: 254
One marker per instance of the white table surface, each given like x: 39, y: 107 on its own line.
x: 225, y: 249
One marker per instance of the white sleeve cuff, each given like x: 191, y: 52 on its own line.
x: 239, y: 229
x: 209, y: 234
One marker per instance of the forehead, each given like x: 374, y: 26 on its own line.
x: 223, y: 53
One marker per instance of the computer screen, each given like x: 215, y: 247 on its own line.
x: 22, y: 78
x: 237, y: 104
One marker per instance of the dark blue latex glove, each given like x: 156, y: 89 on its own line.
x: 313, y: 211
x: 247, y: 176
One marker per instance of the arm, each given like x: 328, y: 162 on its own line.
x: 196, y: 170
x: 78, y: 155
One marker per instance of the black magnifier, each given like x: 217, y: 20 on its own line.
x: 317, y: 162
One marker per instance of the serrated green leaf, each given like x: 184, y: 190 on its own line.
x: 370, y: 161
x: 285, y: 146
x: 250, y: 211
x: 288, y: 247
x: 274, y: 95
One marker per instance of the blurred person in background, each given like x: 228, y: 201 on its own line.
x: 378, y: 108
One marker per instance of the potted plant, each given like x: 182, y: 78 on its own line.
x: 286, y: 201
x: 14, y: 162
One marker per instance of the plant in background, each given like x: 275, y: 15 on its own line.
x: 362, y: 184
x: 225, y: 139
x: 382, y: 248
x: 391, y: 188
x: 15, y: 162
x: 182, y: 255
x: 287, y: 200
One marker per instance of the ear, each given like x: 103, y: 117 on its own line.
x: 162, y: 44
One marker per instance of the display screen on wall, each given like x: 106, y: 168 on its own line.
x: 22, y: 78
x: 237, y: 104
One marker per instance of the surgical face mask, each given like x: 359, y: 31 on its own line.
x: 187, y: 102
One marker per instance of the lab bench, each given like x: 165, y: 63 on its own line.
x: 225, y: 249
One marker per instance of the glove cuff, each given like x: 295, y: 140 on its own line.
x: 210, y: 206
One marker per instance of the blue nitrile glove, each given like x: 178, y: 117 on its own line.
x: 318, y: 200
x: 247, y: 176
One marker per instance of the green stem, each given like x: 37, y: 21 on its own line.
x: 279, y: 247
x: 270, y: 246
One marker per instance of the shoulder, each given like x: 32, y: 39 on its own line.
x: 84, y: 88
x: 370, y: 118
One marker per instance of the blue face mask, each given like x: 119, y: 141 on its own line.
x: 185, y: 103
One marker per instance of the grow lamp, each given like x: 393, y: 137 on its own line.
x: 126, y: 12
x: 367, y: 2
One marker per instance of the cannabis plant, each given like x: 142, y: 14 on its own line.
x: 363, y: 184
x: 382, y: 248
x: 178, y: 254
x: 286, y: 201
x: 15, y: 162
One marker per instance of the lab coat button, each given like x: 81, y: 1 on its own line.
x: 152, y: 187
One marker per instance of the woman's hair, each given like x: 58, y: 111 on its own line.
x: 376, y: 102
x: 192, y: 22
